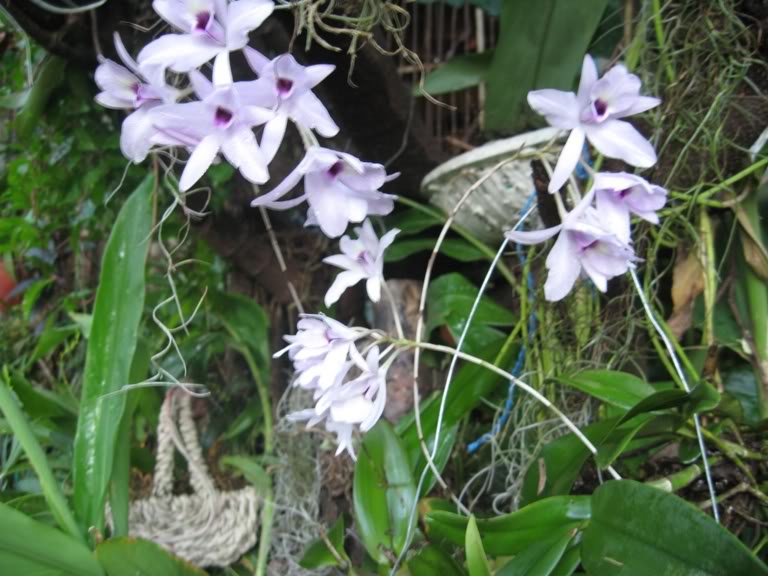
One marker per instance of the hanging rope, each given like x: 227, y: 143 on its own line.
x: 206, y: 527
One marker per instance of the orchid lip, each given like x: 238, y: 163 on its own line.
x: 600, y: 107
x: 336, y: 169
x: 202, y: 19
x: 284, y: 86
x: 222, y: 117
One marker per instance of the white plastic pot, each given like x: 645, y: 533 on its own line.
x: 495, y: 206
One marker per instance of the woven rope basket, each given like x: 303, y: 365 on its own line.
x: 206, y: 527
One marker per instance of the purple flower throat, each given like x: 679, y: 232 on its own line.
x: 201, y: 21
x: 222, y: 117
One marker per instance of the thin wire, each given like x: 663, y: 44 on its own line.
x: 448, y: 379
x: 681, y: 374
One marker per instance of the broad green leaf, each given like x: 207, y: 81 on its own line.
x: 433, y: 560
x: 539, y: 559
x: 477, y: 563
x: 661, y: 400
x: 449, y: 302
x: 28, y: 547
x: 538, y: 48
x: 24, y: 433
x: 412, y: 221
x: 560, y: 463
x: 116, y: 315
x: 616, y: 388
x: 744, y: 387
x: 638, y: 530
x: 455, y: 248
x: 383, y: 493
x: 704, y: 397
x: 136, y: 557
x: 458, y: 73
x: 318, y: 555
x: 511, y: 534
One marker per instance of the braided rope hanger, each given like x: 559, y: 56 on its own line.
x: 206, y: 527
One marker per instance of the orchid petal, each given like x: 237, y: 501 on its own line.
x: 127, y: 59
x: 222, y: 71
x: 179, y: 52
x: 199, y: 161
x: 564, y: 268
x: 200, y: 84
x: 587, y: 80
x: 242, y: 151
x: 569, y: 158
x: 532, y: 236
x: 614, y: 214
x: 619, y: 139
x: 559, y: 108
x: 373, y: 287
x: 343, y: 281
x: 272, y: 137
x: 256, y: 60
x: 244, y: 16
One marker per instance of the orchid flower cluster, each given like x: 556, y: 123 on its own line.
x: 216, y: 118
x: 594, y: 238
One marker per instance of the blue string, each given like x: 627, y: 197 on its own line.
x: 517, y: 369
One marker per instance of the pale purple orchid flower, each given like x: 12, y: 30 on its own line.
x: 584, y: 245
x: 358, y: 403
x: 620, y: 194
x: 361, y: 259
x: 125, y: 88
x: 319, y: 350
x: 594, y: 113
x: 286, y: 86
x: 221, y: 122
x: 210, y: 29
x: 338, y: 187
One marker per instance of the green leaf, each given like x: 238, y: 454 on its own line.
x: 383, y: 493
x: 539, y: 559
x: 449, y: 301
x: 248, y: 325
x: 640, y: 530
x: 136, y: 557
x: 570, y: 560
x: 511, y: 534
x: 539, y: 48
x: 119, y: 497
x: 116, y: 315
x: 28, y: 548
x: 455, y: 248
x: 477, y: 563
x: 251, y: 470
x: 704, y: 397
x: 319, y: 555
x: 458, y: 73
x: 24, y: 433
x: 432, y: 560
x: 32, y: 294
x: 412, y: 221
x: 618, y: 440
x: 616, y: 388
x: 39, y: 402
x: 741, y: 384
x: 661, y: 400
x: 470, y: 385
x: 561, y: 461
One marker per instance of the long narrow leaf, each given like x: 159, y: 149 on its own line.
x: 116, y: 316
x: 31, y: 547
x: 26, y: 437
